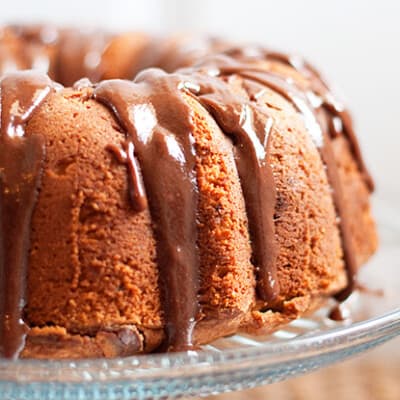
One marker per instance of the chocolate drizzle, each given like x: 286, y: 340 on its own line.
x: 338, y: 313
x: 341, y: 210
x: 339, y: 118
x: 319, y: 120
x: 315, y: 122
x: 149, y: 110
x: 136, y: 189
x: 21, y: 161
x: 249, y: 125
x: 243, y: 118
x: 158, y: 124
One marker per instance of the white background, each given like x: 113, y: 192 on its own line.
x: 355, y: 42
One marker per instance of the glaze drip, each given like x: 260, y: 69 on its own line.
x: 318, y: 123
x: 248, y: 124
x: 159, y: 126
x: 126, y: 155
x: 21, y: 162
x: 339, y: 118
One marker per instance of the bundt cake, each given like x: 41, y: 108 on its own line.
x: 220, y: 191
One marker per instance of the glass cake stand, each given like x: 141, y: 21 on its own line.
x: 233, y: 363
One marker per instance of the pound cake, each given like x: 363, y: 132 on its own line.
x: 221, y: 190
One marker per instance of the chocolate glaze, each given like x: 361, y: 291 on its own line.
x: 342, y: 212
x: 244, y: 119
x: 158, y: 125
x: 336, y: 112
x: 316, y: 125
x: 249, y: 125
x: 21, y: 161
x: 338, y: 313
x: 319, y: 121
x: 136, y: 189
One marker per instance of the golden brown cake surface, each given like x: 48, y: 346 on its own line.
x: 175, y: 209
